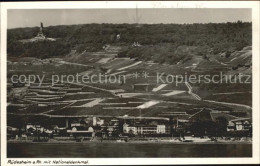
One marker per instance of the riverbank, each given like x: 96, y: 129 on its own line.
x: 131, y: 141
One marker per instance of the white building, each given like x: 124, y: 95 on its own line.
x: 144, y: 129
x: 161, y: 129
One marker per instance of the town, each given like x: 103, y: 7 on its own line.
x: 196, y: 128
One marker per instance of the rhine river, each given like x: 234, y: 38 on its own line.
x: 103, y: 150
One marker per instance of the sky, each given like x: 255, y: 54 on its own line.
x: 51, y: 17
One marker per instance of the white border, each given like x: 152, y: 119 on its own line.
x: 254, y: 5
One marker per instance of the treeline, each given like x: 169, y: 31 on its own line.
x: 158, y: 38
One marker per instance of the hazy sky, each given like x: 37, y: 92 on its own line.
x: 33, y: 17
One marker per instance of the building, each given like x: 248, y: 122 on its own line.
x: 80, y: 128
x: 110, y: 128
x: 81, y: 131
x: 118, y: 36
x: 239, y: 124
x: 129, y: 129
x: 31, y: 127
x: 144, y: 129
x: 161, y: 129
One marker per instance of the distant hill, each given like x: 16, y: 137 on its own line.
x: 163, y: 43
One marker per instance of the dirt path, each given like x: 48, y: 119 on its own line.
x: 190, y: 91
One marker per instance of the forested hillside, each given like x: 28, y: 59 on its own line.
x: 159, y: 42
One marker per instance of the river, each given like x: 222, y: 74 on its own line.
x: 109, y: 150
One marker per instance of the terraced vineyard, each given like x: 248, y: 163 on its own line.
x: 138, y: 96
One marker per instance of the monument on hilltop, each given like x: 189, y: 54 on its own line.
x: 40, y: 37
